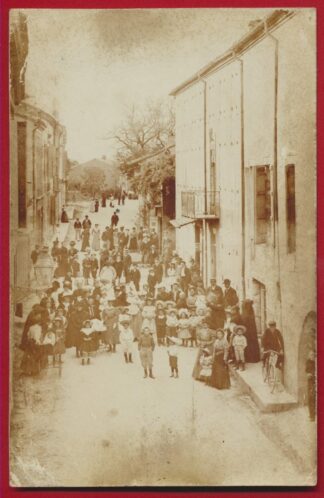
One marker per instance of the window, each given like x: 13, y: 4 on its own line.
x: 260, y: 308
x: 39, y: 164
x: 291, y: 208
x: 22, y: 191
x: 47, y: 167
x: 262, y: 203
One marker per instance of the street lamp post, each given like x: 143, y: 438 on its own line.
x: 44, y: 269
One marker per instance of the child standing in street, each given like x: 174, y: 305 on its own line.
x: 59, y: 331
x: 239, y: 344
x: 126, y: 337
x: 173, y: 351
x: 206, y: 363
x: 184, y: 326
x: 171, y: 323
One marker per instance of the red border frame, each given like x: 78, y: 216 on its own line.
x: 5, y: 5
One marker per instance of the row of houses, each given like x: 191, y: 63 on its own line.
x: 37, y: 165
x: 157, y: 209
x: 246, y: 176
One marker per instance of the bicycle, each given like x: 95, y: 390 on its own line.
x: 270, y: 372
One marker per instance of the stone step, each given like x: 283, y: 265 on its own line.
x: 251, y: 382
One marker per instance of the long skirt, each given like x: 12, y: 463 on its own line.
x: 85, y: 243
x: 171, y: 331
x: 146, y: 356
x: 35, y: 358
x: 59, y: 346
x: 136, y: 324
x: 133, y: 245
x: 220, y: 375
x: 96, y: 242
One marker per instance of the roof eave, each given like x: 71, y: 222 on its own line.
x: 271, y: 22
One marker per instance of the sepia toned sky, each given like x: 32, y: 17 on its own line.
x: 91, y: 65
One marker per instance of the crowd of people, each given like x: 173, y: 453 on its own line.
x: 116, y: 287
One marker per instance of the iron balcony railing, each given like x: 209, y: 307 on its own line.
x: 200, y: 204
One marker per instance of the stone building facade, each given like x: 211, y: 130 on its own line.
x: 37, y: 165
x: 246, y: 176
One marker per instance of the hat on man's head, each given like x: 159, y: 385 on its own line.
x: 227, y: 281
x: 272, y: 323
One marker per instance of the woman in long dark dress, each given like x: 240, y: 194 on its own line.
x: 252, y: 351
x: 220, y: 374
x: 85, y: 239
x: 63, y: 261
x: 215, y: 303
x: 75, y: 322
x: 133, y: 243
x: 64, y: 216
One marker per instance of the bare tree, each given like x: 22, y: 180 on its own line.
x: 143, y: 131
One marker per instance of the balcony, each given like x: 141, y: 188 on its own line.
x: 199, y: 204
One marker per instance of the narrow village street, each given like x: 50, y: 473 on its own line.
x: 69, y: 423
x: 163, y: 291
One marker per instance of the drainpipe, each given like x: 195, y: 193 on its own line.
x: 34, y: 179
x: 276, y: 241
x: 242, y: 177
x: 205, y: 265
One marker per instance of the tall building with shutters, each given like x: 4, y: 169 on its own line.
x: 246, y: 176
x: 37, y: 164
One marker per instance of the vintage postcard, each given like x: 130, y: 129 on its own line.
x: 163, y: 247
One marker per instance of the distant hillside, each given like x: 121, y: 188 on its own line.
x: 110, y: 170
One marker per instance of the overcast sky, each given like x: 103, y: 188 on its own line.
x: 91, y: 64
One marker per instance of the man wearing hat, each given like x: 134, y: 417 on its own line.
x: 121, y: 239
x: 272, y: 340
x: 185, y: 276
x: 86, y: 222
x: 87, y: 266
x: 214, y: 287
x: 114, y: 219
x: 151, y: 282
x: 158, y: 269
x: 134, y: 276
x: 175, y: 292
x: 72, y: 250
x: 154, y: 239
x: 230, y: 295
x: 152, y: 255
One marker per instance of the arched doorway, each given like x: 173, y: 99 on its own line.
x: 307, y: 342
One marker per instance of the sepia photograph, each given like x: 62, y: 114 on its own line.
x: 163, y: 314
